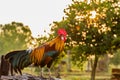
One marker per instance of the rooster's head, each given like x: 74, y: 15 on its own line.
x: 62, y: 33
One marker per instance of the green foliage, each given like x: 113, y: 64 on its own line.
x: 91, y: 36
x: 115, y: 60
x: 78, y: 58
x: 116, y: 43
x: 92, y: 28
x: 42, y: 40
x: 14, y: 36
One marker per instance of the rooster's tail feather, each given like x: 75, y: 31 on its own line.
x: 19, y: 59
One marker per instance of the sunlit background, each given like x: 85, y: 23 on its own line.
x: 37, y: 14
x: 92, y: 40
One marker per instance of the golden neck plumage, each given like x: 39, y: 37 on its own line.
x: 37, y: 53
x: 59, y: 44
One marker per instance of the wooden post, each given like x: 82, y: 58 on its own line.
x: 4, y: 67
x: 0, y: 68
x: 115, y: 74
x: 68, y: 62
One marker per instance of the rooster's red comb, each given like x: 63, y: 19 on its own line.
x: 62, y: 32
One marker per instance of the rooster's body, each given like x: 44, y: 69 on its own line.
x: 40, y: 56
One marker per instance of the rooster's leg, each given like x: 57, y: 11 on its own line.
x: 49, y: 72
x: 41, y: 72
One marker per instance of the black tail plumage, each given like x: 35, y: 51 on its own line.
x: 19, y: 60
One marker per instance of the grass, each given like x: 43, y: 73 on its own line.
x: 85, y: 76
x: 73, y: 75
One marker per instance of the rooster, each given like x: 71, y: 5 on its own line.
x: 43, y: 55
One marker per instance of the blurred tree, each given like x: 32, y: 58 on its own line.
x: 115, y: 59
x: 92, y: 27
x: 14, y: 36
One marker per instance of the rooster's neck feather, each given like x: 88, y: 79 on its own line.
x: 55, y: 44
